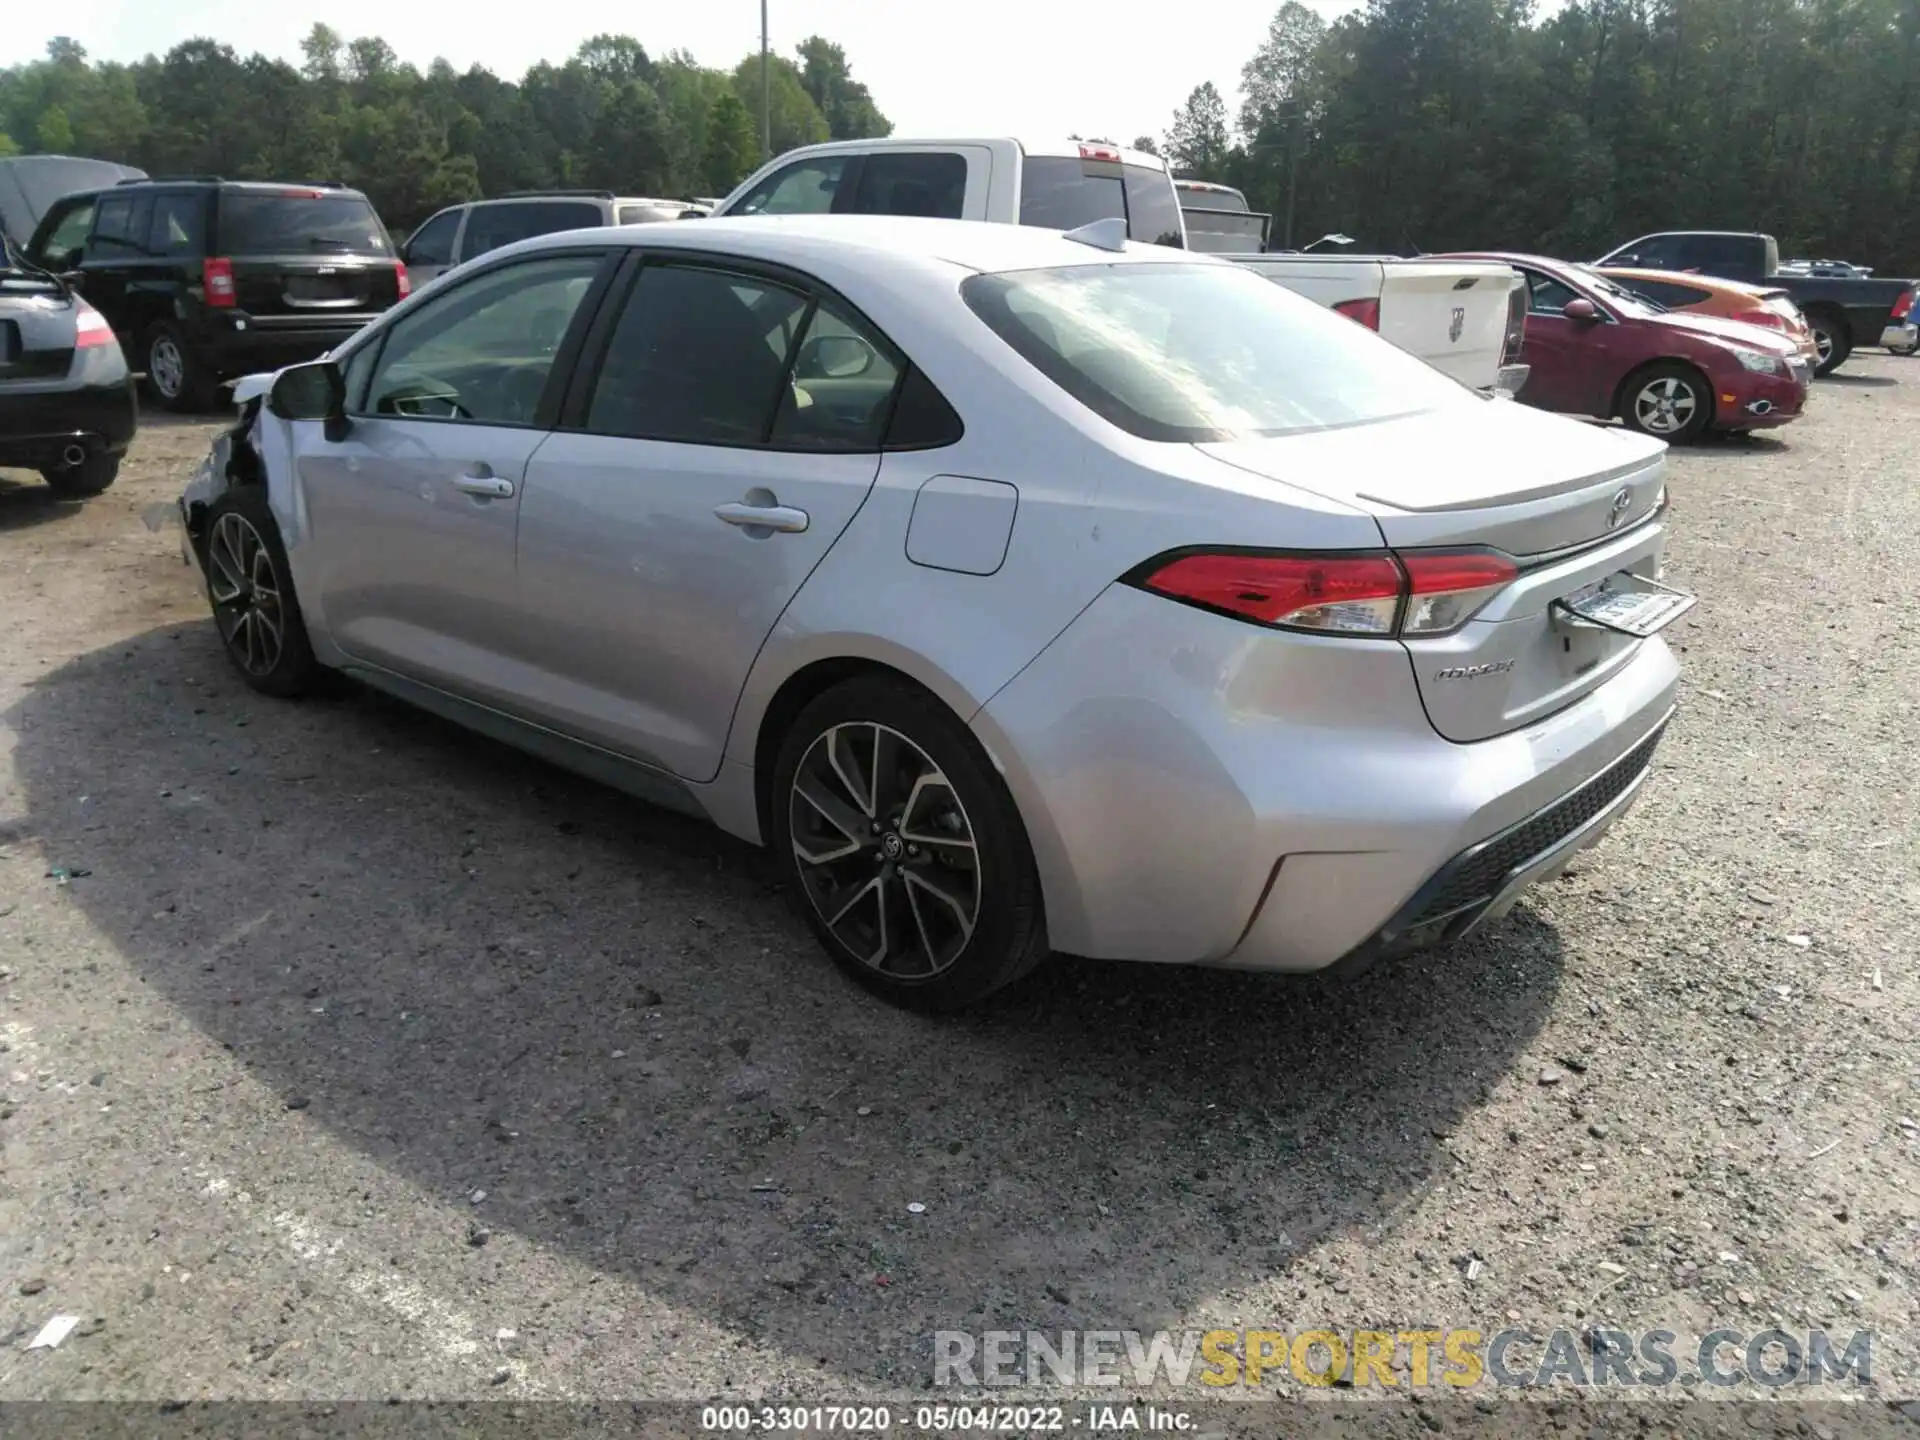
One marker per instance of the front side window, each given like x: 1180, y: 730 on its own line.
x: 1195, y: 353
x: 482, y: 352
x: 806, y: 187
x: 432, y: 243
x: 121, y: 229
x: 1547, y: 296
x: 66, y: 242
x: 930, y: 183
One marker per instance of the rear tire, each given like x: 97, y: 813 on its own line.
x: 1667, y: 400
x: 903, y: 849
x: 1830, y: 333
x: 175, y: 375
x: 88, y: 478
x: 250, y: 589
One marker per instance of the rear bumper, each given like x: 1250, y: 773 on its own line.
x: 1511, y: 378
x: 1900, y: 337
x: 236, y: 343
x: 38, y: 427
x: 1260, y: 801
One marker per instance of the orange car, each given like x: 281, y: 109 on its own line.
x: 1729, y: 299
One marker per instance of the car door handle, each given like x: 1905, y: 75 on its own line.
x: 783, y: 518
x: 490, y: 487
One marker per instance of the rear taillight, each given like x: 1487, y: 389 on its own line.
x: 1374, y: 595
x: 400, y: 280
x: 1516, y: 337
x: 216, y: 279
x: 1903, y: 307
x: 90, y: 328
x: 1367, y: 312
x: 1772, y: 319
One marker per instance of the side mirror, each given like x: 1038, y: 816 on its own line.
x: 834, y: 357
x: 311, y: 392
x: 691, y: 214
x: 1582, y: 310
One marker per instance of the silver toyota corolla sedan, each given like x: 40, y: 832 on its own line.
x: 1021, y: 591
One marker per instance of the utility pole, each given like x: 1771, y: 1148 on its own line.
x: 766, y: 91
x: 1293, y: 172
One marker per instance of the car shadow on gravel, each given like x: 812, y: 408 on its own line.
x: 26, y: 501
x: 1859, y: 382
x: 485, y: 974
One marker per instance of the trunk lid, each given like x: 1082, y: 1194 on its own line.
x: 36, y: 332
x: 1451, y: 313
x: 1572, y: 503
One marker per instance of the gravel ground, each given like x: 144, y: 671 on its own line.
x: 362, y: 1058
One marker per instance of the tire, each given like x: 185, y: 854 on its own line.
x: 176, y: 378
x: 250, y: 590
x: 90, y: 477
x: 936, y: 920
x: 1667, y: 400
x: 1830, y: 333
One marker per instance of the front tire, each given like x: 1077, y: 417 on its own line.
x: 1668, y: 401
x: 175, y: 376
x: 903, y: 848
x: 88, y: 478
x: 250, y: 589
x: 1834, y: 340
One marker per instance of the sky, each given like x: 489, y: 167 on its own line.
x: 1037, y: 68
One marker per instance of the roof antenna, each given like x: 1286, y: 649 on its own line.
x: 1109, y: 234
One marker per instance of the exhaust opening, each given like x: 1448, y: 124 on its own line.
x: 74, y: 456
x: 1760, y: 407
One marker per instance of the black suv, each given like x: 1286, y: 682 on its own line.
x: 206, y: 279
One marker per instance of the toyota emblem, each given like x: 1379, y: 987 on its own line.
x: 1622, y: 502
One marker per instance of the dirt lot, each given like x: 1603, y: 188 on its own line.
x: 362, y: 1058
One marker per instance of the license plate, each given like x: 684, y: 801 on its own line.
x: 316, y: 287
x: 1625, y: 603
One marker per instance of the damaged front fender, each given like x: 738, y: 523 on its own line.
x: 233, y: 460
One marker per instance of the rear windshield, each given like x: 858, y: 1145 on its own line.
x: 296, y: 222
x: 1059, y: 192
x: 1194, y: 353
x: 1211, y: 197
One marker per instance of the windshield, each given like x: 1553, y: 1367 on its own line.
x: 299, y: 222
x: 1196, y: 353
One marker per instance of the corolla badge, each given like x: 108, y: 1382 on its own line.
x: 1622, y: 502
x: 1473, y: 672
x: 1459, y: 325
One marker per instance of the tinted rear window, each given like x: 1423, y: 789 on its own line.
x: 1194, y: 353
x: 1059, y: 192
x: 295, y: 223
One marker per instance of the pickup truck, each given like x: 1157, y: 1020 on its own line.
x: 1461, y: 316
x: 1464, y: 317
x: 1844, y: 312
x: 1219, y: 220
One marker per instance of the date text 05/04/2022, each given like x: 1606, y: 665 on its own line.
x: 945, y: 1419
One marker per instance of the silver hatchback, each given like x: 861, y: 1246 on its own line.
x: 1021, y: 591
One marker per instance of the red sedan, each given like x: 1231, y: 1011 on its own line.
x: 1596, y: 348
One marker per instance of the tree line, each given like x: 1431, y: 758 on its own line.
x: 612, y: 117
x: 1443, y: 124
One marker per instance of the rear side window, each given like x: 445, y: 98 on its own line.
x: 432, y: 243
x: 179, y: 223
x: 67, y: 237
x: 696, y: 356
x: 491, y: 226
x: 1060, y: 192
x: 1195, y: 353
x: 1153, y: 208
x: 298, y: 222
x: 932, y: 183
